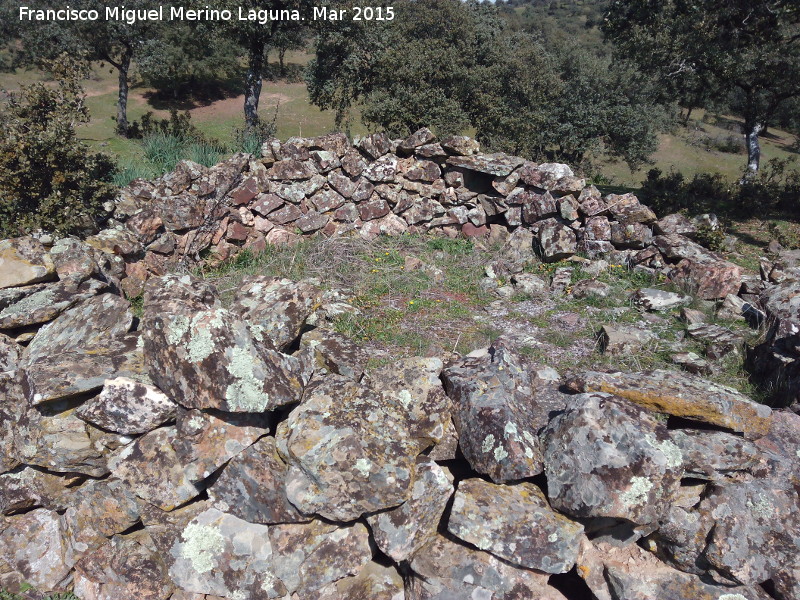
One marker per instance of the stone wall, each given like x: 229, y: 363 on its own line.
x: 378, y: 186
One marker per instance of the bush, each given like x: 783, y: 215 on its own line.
x: 250, y: 139
x: 48, y: 178
x: 775, y: 188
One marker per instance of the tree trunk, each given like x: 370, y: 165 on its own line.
x: 122, y: 100
x: 751, y: 131
x: 252, y: 92
x: 281, y: 56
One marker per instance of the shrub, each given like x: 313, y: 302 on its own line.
x: 48, y: 178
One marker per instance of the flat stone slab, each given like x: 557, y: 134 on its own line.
x: 682, y: 395
x: 24, y: 261
x: 128, y: 407
x: 498, y: 164
x: 515, y: 523
x: 443, y: 569
x: 624, y: 339
x: 654, y: 299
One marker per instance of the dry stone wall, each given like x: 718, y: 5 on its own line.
x: 378, y: 186
x: 202, y: 451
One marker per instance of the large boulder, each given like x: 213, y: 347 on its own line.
x: 24, y: 261
x: 606, y: 457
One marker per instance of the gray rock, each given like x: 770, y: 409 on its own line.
x: 624, y: 339
x: 210, y: 359
x: 498, y: 164
x: 33, y: 546
x: 128, y: 407
x: 691, y: 362
x: 443, y: 569
x: 42, y: 303
x: 606, y: 457
x: 401, y: 531
x: 715, y: 455
x: 655, y: 299
x: 590, y: 288
x: 556, y: 241
x: 515, y: 523
x: 252, y: 487
x: 349, y: 451
x: 275, y: 308
x: 497, y: 421
x: 529, y: 284
x: 24, y: 261
x: 634, y: 574
x: 150, y: 454
x: 718, y: 341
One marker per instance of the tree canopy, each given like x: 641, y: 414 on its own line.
x: 456, y: 66
x: 746, y: 52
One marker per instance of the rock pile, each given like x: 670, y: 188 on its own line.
x: 245, y: 450
x: 379, y: 186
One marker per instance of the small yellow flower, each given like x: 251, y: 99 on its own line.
x: 377, y: 260
x: 411, y: 302
x: 386, y: 253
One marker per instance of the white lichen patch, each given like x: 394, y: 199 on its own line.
x: 668, y: 449
x: 761, y: 507
x: 510, y: 429
x: 732, y: 597
x: 201, y: 543
x: 177, y: 328
x: 244, y: 394
x: 637, y: 493
x: 488, y: 443
x: 363, y: 466
x: 405, y: 398
x: 500, y: 453
x: 553, y: 537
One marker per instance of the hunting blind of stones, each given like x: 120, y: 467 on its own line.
x: 204, y: 443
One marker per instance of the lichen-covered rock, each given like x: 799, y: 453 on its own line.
x: 152, y: 470
x: 606, y: 457
x: 205, y: 442
x: 93, y: 321
x: 498, y: 164
x: 24, y: 261
x: 682, y: 395
x: 98, y: 510
x: 414, y: 385
x: 383, y: 170
x: 495, y: 415
x: 25, y: 488
x: 275, y: 308
x: 220, y: 554
x: 128, y: 407
x: 373, y: 582
x: 556, y: 241
x: 252, y: 487
x: 708, y: 280
x: 34, y: 547
x: 654, y: 299
x: 335, y: 353
x: 715, y: 455
x: 76, y: 372
x: 73, y: 258
x: 634, y: 574
x: 401, y: 531
x: 627, y: 209
x: 443, y: 569
x: 310, y: 556
x: 624, y: 339
x: 349, y: 450
x: 60, y: 442
x: 44, y: 302
x: 756, y: 533
x: 126, y: 567
x: 210, y: 359
x: 515, y: 522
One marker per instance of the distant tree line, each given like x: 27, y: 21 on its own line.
x: 527, y: 76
